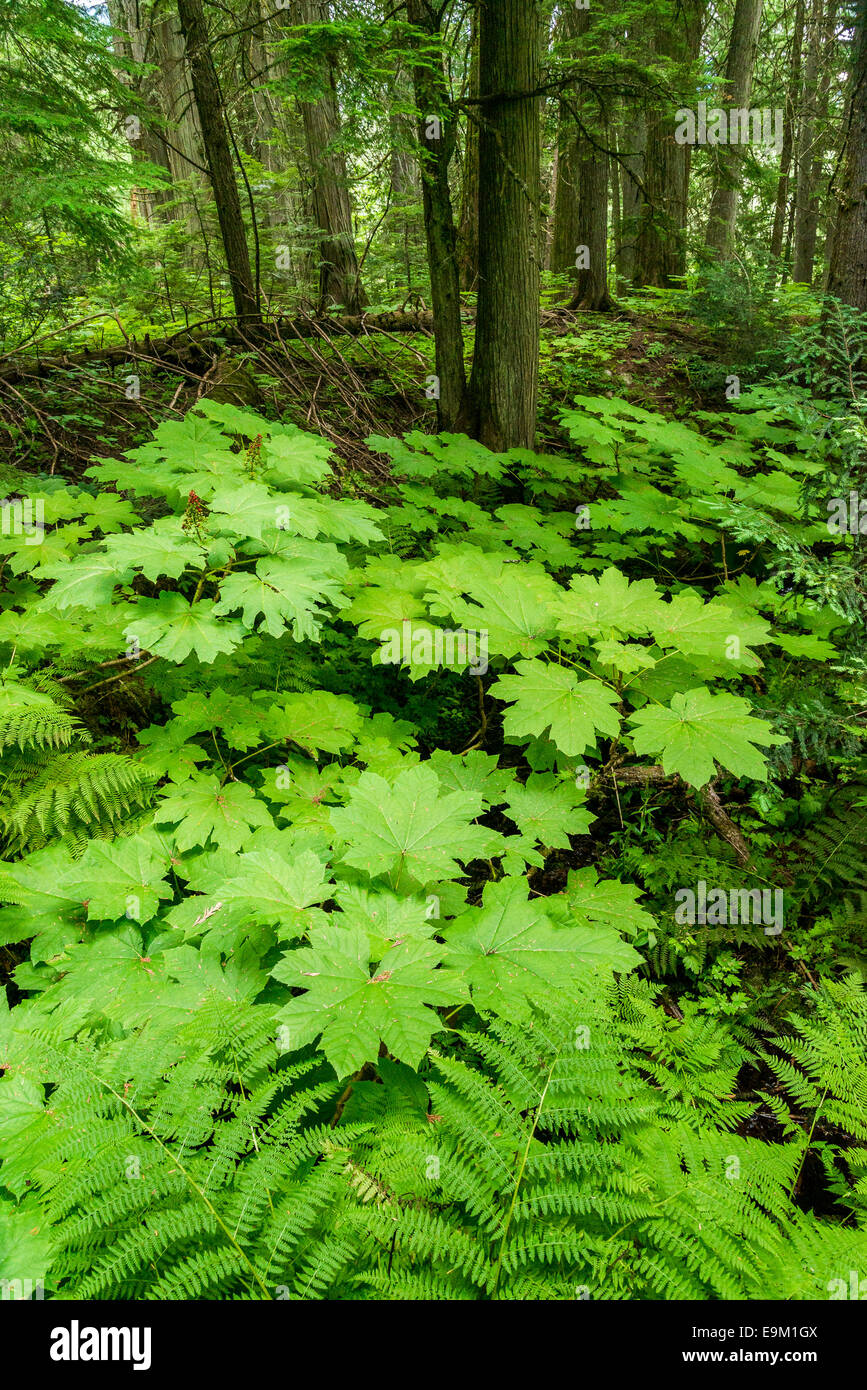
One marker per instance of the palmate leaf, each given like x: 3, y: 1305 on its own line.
x: 121, y: 879
x: 248, y: 509
x: 168, y: 752
x: 548, y: 811
x: 264, y: 887
x: 163, y: 549
x: 510, y: 602
x: 318, y: 721
x: 87, y: 582
x: 547, y: 697
x: 285, y: 592
x: 238, y: 719
x: 355, y: 1011
x: 202, y: 811
x: 411, y: 831
x: 609, y: 604
x: 172, y: 627
x: 591, y: 899
x: 510, y: 952
x: 700, y: 729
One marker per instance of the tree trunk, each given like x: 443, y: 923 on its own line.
x: 566, y: 235
x: 181, y: 134
x: 660, y: 248
x: 468, y: 235
x: 806, y: 204
x: 506, y: 361
x: 219, y: 156
x: 792, y: 99
x: 131, y: 40
x: 740, y: 63
x: 339, y: 281
x: 436, y: 138
x: 847, y: 274
x: 591, y: 283
x: 630, y: 172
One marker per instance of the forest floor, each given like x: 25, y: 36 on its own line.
x: 61, y: 411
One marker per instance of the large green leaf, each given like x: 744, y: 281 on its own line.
x: 355, y: 1011
x: 202, y: 810
x: 551, y: 698
x: 510, y: 953
x: 411, y: 831
x: 700, y: 729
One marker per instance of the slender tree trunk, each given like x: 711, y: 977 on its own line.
x: 740, y: 63
x: 614, y: 192
x: 131, y: 41
x: 182, y: 134
x: 806, y: 205
x: 219, y: 156
x: 847, y: 274
x: 506, y: 360
x: 792, y: 99
x: 629, y: 173
x: 591, y: 283
x: 339, y: 281
x: 436, y: 137
x: 468, y: 235
x: 566, y: 235
x: 660, y: 250
x: 821, y: 206
x: 404, y: 191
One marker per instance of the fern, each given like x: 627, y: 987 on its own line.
x: 50, y: 790
x: 564, y: 1172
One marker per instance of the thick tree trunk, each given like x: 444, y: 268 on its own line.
x: 182, y: 134
x: 740, y: 63
x: 436, y: 138
x: 591, y: 284
x: 566, y: 234
x: 270, y: 129
x: 219, y: 156
x: 339, y: 281
x: 506, y: 361
x: 847, y: 274
x: 792, y: 99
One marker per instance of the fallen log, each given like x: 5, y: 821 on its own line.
x: 187, y: 348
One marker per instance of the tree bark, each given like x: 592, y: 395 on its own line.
x: 660, y: 248
x: 591, y: 283
x: 339, y: 281
x: 740, y: 63
x: 806, y: 205
x: 215, y: 136
x: 566, y: 235
x: 468, y: 234
x: 792, y: 99
x: 131, y: 41
x: 847, y: 274
x: 504, y: 383
x: 436, y: 140
x: 629, y: 172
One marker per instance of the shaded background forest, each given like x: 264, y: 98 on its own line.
x: 186, y: 166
